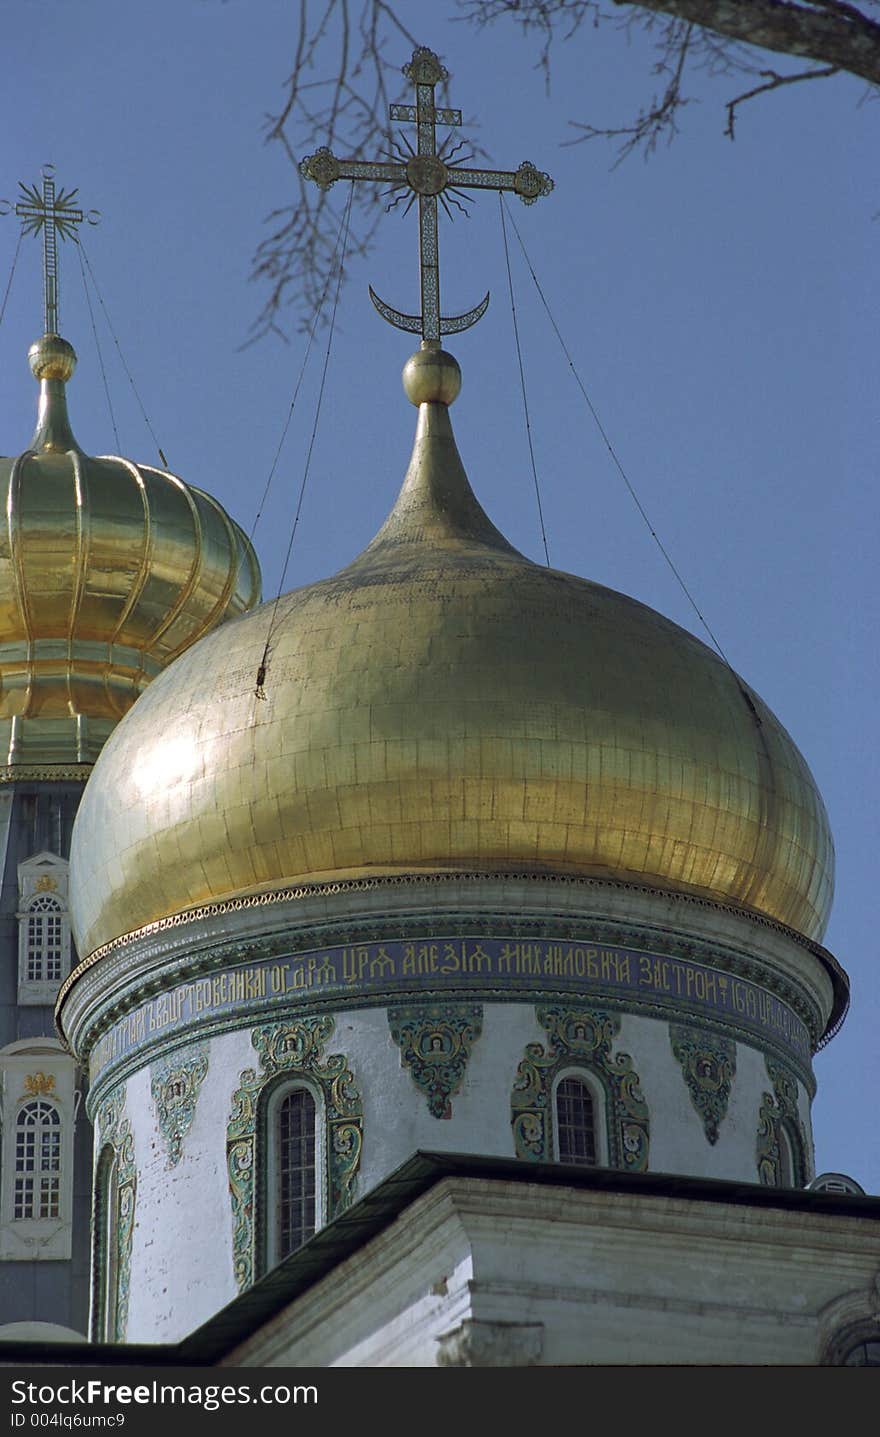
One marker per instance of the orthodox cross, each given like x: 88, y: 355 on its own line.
x: 430, y: 175
x: 55, y: 214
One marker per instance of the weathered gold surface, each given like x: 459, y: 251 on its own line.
x: 445, y: 703
x: 107, y: 571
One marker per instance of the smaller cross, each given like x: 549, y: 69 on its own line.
x: 430, y: 175
x: 55, y: 214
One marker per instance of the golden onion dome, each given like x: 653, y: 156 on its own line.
x: 446, y: 704
x: 108, y: 570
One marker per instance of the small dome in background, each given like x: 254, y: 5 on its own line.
x: 441, y: 704
x: 108, y: 570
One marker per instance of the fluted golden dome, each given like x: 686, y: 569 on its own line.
x: 108, y: 570
x: 444, y: 703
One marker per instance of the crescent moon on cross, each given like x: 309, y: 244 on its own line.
x: 414, y: 322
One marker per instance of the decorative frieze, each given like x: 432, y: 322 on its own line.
x: 579, y: 1038
x: 452, y: 967
x: 780, y: 1128
x: 435, y: 1041
x: 175, y: 1083
x: 293, y: 1049
x: 114, y: 1130
x: 708, y: 1065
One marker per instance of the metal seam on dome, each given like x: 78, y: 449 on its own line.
x: 82, y: 544
x: 13, y: 522
x: 219, y: 608
x: 247, y: 558
x: 761, y: 860
x: 139, y: 582
x: 189, y: 585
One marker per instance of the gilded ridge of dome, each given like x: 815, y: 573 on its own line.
x: 108, y: 570
x: 445, y: 704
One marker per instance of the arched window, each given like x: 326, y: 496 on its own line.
x: 105, y: 1260
x: 863, y: 1354
x: 43, y: 928
x: 37, y: 1186
x: 786, y: 1158
x: 575, y: 1122
x: 293, y: 1116
x: 46, y: 940
x: 39, y: 1099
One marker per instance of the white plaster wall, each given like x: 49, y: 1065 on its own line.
x: 596, y: 1277
x: 181, y: 1260
x: 397, y: 1121
x: 678, y: 1139
x: 181, y: 1267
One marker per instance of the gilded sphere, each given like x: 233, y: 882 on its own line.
x: 51, y: 357
x: 431, y: 376
x: 445, y: 704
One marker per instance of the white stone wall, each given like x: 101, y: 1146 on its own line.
x: 491, y: 1273
x: 678, y: 1140
x: 181, y: 1259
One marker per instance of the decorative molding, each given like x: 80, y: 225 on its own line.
x: 582, y: 1038
x: 300, y: 892
x: 175, y: 1083
x: 39, y: 1085
x: 491, y: 1344
x: 708, y: 1065
x: 114, y: 1128
x: 847, y: 1322
x: 188, y: 985
x: 779, y: 1113
x: 60, y: 773
x: 435, y: 1041
x: 293, y: 1049
x: 44, y: 947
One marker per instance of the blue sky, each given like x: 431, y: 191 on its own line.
x: 718, y: 301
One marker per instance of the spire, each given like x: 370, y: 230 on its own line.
x: 436, y: 508
x: 54, y: 214
x: 436, y: 505
x: 52, y: 361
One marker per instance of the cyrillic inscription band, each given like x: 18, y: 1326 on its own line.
x: 503, y: 964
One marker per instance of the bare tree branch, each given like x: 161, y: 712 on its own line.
x: 337, y: 94
x: 773, y: 83
x: 660, y: 119
x: 341, y: 82
x: 823, y: 30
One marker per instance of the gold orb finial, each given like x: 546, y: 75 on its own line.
x: 431, y: 376
x: 52, y: 358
